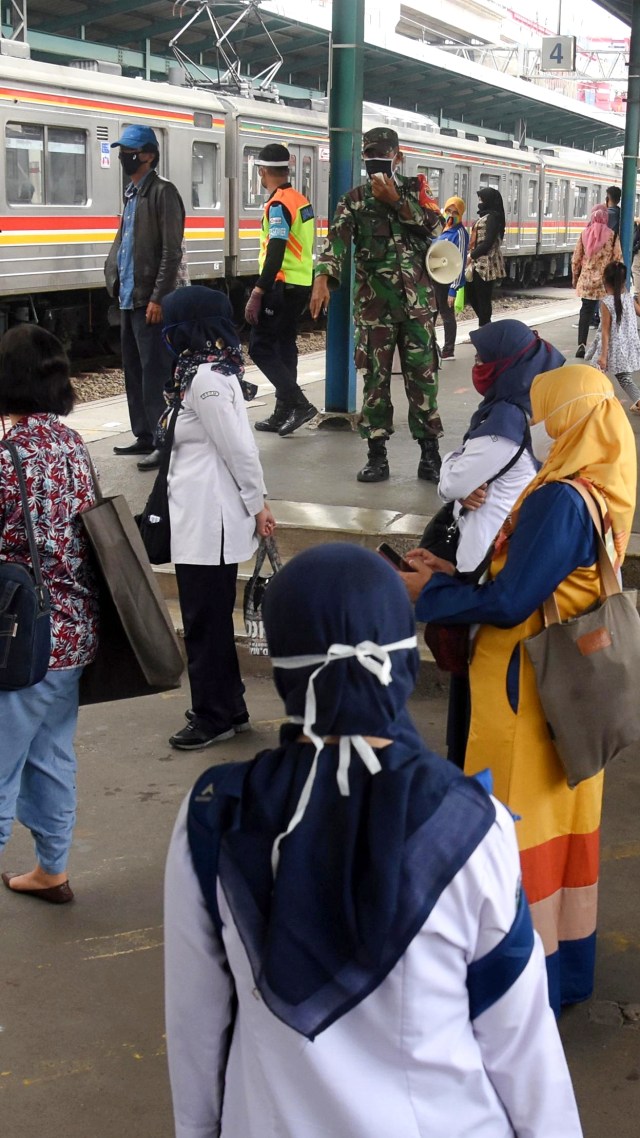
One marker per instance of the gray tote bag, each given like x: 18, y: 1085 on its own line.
x: 586, y: 672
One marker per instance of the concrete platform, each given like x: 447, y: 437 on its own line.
x: 82, y: 1050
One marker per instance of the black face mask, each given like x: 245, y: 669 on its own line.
x: 378, y: 166
x: 131, y: 163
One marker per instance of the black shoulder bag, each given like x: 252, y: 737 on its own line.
x: 154, y: 522
x: 25, y: 608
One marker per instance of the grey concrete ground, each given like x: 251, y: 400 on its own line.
x: 82, y: 1052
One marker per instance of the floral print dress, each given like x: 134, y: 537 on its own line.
x: 59, y: 486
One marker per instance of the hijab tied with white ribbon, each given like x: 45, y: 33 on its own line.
x: 334, y: 853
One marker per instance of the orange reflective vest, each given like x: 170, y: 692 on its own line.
x: 297, y: 265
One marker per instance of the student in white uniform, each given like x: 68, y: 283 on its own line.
x: 217, y: 506
x: 348, y: 950
x: 489, y: 471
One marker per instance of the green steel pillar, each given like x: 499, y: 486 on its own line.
x: 345, y: 137
x: 631, y: 136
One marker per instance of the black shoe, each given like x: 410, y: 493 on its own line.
x: 447, y: 354
x: 376, y: 468
x: 297, y: 418
x: 580, y: 351
x: 152, y: 462
x: 240, y: 723
x: 195, y: 738
x: 430, y: 461
x: 138, y: 447
x: 275, y: 420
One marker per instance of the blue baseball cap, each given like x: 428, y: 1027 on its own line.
x: 137, y: 137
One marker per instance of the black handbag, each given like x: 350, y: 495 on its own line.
x: 25, y: 608
x: 154, y: 522
x: 254, y: 591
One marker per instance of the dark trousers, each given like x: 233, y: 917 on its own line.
x: 207, y: 597
x: 147, y: 367
x: 272, y: 344
x: 587, y: 310
x: 447, y: 315
x: 478, y: 293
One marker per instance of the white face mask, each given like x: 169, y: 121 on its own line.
x: 541, y: 442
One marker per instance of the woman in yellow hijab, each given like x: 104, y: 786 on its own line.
x: 579, y: 430
x: 445, y: 295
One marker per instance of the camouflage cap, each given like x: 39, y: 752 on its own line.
x: 380, y: 136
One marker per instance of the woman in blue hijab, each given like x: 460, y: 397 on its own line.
x: 348, y: 951
x: 494, y: 463
x: 217, y: 506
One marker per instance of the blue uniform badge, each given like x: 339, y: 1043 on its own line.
x: 278, y: 224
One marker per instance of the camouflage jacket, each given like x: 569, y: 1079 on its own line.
x: 391, y: 280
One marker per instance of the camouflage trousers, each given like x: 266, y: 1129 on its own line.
x: 375, y: 347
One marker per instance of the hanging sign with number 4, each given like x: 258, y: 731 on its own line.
x: 558, y: 53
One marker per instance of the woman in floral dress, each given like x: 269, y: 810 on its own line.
x: 597, y: 245
x: 38, y: 723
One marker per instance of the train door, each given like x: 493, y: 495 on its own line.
x: 461, y: 187
x: 564, y: 230
x: 514, y: 206
x: 549, y: 207
x: 303, y: 175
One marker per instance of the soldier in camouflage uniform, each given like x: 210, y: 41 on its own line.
x: 391, y: 220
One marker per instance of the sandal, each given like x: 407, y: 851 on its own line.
x: 635, y: 408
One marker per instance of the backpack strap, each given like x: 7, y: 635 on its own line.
x: 28, y: 522
x: 212, y: 802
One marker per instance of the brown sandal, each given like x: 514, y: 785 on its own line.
x: 54, y: 894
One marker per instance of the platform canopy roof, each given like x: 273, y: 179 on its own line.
x: 620, y: 8
x: 402, y: 73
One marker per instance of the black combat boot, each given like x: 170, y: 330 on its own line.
x: 430, y: 461
x: 275, y: 420
x: 377, y: 467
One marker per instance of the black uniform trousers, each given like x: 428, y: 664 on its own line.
x: 147, y: 367
x: 587, y: 311
x: 478, y: 293
x: 446, y: 314
x: 207, y: 596
x: 272, y: 344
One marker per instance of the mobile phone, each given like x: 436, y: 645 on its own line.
x: 394, y: 558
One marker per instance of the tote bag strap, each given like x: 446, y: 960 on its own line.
x: 609, y: 581
x: 28, y: 521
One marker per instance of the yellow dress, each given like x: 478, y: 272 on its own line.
x: 558, y: 833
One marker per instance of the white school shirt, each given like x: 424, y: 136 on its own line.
x: 406, y: 1062
x: 463, y: 471
x: 215, y: 477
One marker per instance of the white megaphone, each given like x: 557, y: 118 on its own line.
x: 444, y: 262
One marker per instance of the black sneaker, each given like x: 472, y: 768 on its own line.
x: 580, y: 351
x: 297, y: 418
x: 194, y: 738
x: 240, y: 723
x: 447, y: 354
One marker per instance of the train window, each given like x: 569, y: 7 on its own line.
x: 24, y: 176
x: 433, y: 175
x: 548, y: 199
x: 45, y: 165
x: 579, y: 201
x: 66, y: 166
x: 203, y: 119
x: 204, y: 175
x: 492, y: 180
x: 532, y: 199
x: 293, y: 167
x: 307, y: 177
x: 252, y: 192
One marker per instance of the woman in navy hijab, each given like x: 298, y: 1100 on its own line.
x: 348, y: 950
